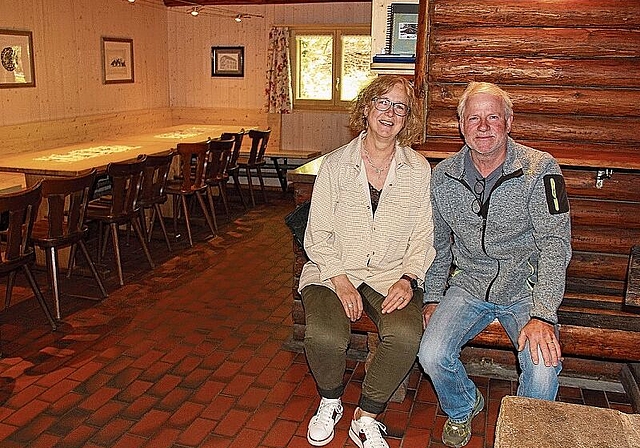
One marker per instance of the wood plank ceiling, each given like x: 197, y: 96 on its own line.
x: 251, y: 2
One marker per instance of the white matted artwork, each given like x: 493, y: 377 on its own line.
x: 227, y: 61
x: 16, y: 58
x: 117, y: 60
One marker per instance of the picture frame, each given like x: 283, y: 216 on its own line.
x: 117, y: 60
x: 227, y: 61
x: 16, y: 59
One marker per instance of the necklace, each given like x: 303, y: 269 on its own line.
x: 377, y: 170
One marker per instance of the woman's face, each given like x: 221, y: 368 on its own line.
x: 387, y: 124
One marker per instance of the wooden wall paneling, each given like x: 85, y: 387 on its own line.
x: 550, y: 100
x: 568, y: 13
x: 537, y: 42
x: 34, y: 136
x: 593, y: 72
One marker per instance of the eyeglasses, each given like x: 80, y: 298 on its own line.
x: 384, y: 104
x: 478, y: 189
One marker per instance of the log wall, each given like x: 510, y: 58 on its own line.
x: 572, y: 69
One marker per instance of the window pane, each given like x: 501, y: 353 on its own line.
x: 315, y: 56
x: 356, y: 57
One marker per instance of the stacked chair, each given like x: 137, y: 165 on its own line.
x: 190, y: 183
x: 217, y: 174
x: 16, y: 249
x: 63, y: 225
x: 255, y: 160
x: 119, y: 208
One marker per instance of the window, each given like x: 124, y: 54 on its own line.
x: 330, y: 65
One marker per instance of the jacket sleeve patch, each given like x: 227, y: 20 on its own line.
x: 556, y: 192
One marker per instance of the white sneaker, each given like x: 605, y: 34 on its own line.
x: 366, y: 432
x: 321, y: 425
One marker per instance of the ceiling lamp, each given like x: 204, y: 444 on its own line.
x: 195, y: 11
x: 238, y: 18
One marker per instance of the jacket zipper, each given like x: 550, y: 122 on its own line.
x: 484, y: 212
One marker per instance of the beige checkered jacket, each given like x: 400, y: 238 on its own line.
x: 343, y: 236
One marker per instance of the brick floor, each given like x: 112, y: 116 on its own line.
x: 193, y: 354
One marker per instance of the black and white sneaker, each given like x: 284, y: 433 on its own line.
x: 366, y: 432
x: 321, y: 425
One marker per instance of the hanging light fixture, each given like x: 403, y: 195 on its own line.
x: 238, y: 18
x: 195, y: 11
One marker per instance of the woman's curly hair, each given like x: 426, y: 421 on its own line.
x: 377, y: 88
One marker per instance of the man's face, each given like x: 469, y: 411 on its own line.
x: 484, y: 125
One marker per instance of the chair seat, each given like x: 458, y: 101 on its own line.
x: 176, y: 187
x: 40, y: 236
x: 103, y: 212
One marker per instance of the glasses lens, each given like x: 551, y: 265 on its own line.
x: 475, y: 206
x: 382, y: 104
x: 478, y: 187
x: 400, y: 109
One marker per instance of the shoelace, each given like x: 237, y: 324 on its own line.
x: 458, y: 428
x: 373, y: 434
x: 326, y: 412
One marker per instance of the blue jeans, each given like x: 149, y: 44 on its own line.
x: 459, y: 318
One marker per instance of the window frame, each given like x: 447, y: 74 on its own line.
x: 336, y: 31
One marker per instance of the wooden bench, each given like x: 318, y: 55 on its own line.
x: 599, y: 316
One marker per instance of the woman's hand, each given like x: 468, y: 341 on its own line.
x: 349, y: 296
x: 399, y: 295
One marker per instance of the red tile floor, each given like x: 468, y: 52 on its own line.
x: 194, y: 354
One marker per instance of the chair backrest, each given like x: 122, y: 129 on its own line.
x: 218, y: 159
x: 259, y: 140
x: 193, y: 162
x: 154, y: 180
x: 126, y: 180
x: 22, y: 207
x: 235, y: 154
x: 66, y: 199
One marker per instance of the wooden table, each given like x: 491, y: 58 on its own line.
x: 79, y: 158
x: 280, y: 159
x: 10, y: 182
x: 75, y: 159
x: 187, y: 133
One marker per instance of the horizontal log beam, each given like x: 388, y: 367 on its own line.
x: 570, y: 13
x: 172, y: 3
x: 535, y: 71
x: 600, y: 343
x: 550, y: 99
x: 535, y: 42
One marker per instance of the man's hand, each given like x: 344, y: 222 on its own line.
x: 543, y: 335
x: 349, y: 296
x: 427, y: 311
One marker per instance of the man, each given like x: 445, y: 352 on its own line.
x: 503, y: 242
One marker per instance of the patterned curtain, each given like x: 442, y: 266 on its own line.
x: 278, y: 90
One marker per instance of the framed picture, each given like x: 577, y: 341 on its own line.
x: 227, y: 61
x: 16, y: 56
x: 117, y: 60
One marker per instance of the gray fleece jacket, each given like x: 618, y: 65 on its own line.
x: 517, y: 246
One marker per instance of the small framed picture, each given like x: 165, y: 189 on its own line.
x: 16, y: 58
x: 227, y: 61
x: 117, y: 60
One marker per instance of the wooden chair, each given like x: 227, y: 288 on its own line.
x: 152, y: 193
x: 16, y: 250
x: 63, y: 225
x: 193, y: 160
x: 233, y: 169
x: 255, y: 161
x: 217, y: 176
x: 121, y: 208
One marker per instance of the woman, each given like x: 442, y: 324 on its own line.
x: 369, y: 240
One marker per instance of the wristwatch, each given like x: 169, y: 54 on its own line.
x: 412, y: 281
